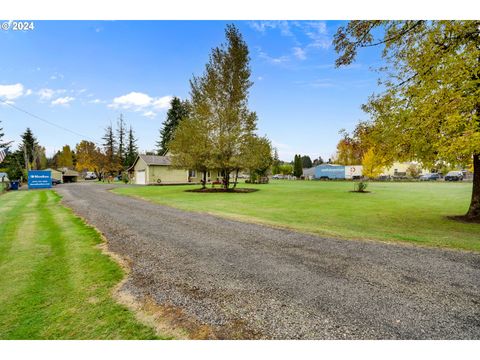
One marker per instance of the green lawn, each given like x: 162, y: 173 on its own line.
x: 54, y: 282
x: 410, y: 212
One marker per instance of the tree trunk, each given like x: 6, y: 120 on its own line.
x: 236, y: 179
x: 204, y: 182
x: 226, y: 179
x: 474, y: 210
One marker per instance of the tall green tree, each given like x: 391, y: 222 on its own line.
x: 132, y: 149
x: 65, y: 158
x: 28, y: 146
x: 191, y: 146
x: 178, y: 110
x: 430, y: 107
x: 306, y: 162
x: 219, y: 106
x: 297, y: 166
x: 112, y: 163
x: 121, y: 138
x: 259, y: 157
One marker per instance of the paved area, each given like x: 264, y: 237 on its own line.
x: 251, y: 281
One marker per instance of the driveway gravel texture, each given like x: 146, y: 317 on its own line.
x: 243, y: 280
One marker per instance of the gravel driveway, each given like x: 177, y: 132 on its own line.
x: 250, y: 281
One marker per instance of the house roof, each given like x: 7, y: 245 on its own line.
x: 68, y: 172
x: 156, y: 160
x: 152, y: 160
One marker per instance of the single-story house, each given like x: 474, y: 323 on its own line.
x: 155, y: 169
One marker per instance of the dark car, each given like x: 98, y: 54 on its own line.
x: 430, y: 177
x: 56, y: 182
x: 454, y: 176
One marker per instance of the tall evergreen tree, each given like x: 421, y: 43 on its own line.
x: 28, y: 145
x: 121, y: 137
x: 110, y: 149
x: 178, y: 110
x: 132, y: 149
x: 297, y: 166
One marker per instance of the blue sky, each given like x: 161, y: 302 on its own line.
x: 82, y: 74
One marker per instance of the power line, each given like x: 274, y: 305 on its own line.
x: 47, y: 121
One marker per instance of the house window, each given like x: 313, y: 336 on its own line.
x: 192, y: 173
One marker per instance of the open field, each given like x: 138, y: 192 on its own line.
x: 408, y: 212
x: 55, y: 283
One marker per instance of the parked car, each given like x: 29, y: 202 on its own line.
x: 90, y: 176
x: 56, y: 182
x: 430, y: 177
x: 278, y: 176
x: 454, y: 176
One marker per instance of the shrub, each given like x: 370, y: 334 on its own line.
x: 360, y: 186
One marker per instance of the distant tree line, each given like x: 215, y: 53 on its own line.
x: 117, y: 153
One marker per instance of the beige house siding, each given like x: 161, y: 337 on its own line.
x: 398, y: 167
x: 166, y: 175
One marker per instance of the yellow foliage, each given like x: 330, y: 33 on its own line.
x: 373, y: 164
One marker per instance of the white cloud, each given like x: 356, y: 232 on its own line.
x: 28, y: 92
x: 150, y: 114
x: 63, y: 100
x: 97, y: 101
x: 273, y: 60
x: 318, y: 34
x: 306, y: 35
x: 11, y: 92
x: 263, y: 26
x: 299, y: 53
x: 46, y: 94
x: 137, y: 101
x: 163, y: 102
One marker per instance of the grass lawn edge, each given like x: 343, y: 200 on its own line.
x: 254, y: 220
x: 144, y: 313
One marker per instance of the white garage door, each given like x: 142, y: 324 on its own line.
x: 140, y: 177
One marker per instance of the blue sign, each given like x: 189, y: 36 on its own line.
x: 39, y: 179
